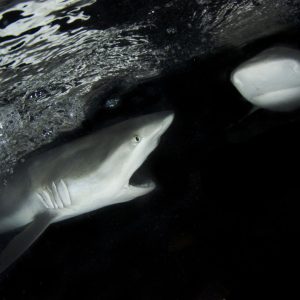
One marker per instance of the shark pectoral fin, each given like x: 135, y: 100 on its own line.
x: 22, y: 241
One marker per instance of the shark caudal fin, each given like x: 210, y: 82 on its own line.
x: 22, y: 241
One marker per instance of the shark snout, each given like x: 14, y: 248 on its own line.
x: 166, y: 119
x: 169, y: 117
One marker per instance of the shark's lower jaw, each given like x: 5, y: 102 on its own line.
x: 140, y: 182
x: 140, y: 179
x: 148, y: 185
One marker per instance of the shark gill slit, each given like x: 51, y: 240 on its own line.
x: 48, y: 199
x: 66, y: 192
x: 57, y: 196
x: 42, y: 200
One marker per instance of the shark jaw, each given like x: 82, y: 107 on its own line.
x: 140, y: 180
x: 145, y: 187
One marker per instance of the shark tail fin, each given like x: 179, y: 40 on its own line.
x: 22, y: 241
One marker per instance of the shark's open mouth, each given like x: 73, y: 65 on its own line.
x: 141, y: 178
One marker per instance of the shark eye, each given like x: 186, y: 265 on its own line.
x: 136, y: 139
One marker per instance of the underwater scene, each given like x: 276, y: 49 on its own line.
x: 149, y: 149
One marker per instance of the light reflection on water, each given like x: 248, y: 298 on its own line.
x: 44, y: 39
x: 41, y: 13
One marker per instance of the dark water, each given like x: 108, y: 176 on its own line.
x: 224, y: 222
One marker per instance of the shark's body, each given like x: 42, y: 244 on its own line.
x: 271, y: 80
x: 78, y: 177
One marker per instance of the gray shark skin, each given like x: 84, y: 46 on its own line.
x: 271, y: 80
x: 76, y: 178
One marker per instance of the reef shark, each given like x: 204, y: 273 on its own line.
x: 76, y: 178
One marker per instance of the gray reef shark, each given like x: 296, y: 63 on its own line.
x: 76, y: 178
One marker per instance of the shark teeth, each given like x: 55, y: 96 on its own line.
x: 145, y: 185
